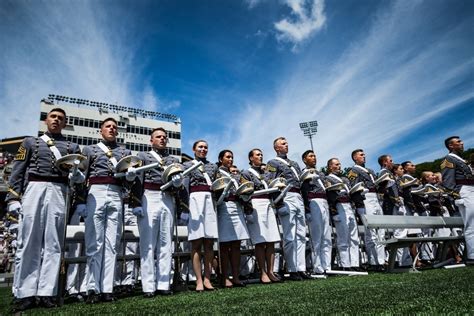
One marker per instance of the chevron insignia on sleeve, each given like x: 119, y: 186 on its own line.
x: 447, y: 164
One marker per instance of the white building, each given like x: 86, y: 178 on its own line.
x: 134, y: 125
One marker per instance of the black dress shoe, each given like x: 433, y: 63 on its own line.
x: 304, y: 275
x: 164, y: 292
x: 149, y: 295
x: 92, y: 298
x: 240, y: 284
x: 23, y: 304
x: 108, y: 297
x: 47, y: 301
x: 294, y: 276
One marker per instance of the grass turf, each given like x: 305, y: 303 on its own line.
x: 430, y: 292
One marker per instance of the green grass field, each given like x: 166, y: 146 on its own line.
x: 430, y: 292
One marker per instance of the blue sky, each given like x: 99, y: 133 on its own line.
x: 391, y: 77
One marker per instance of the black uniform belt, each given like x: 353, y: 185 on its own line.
x: 294, y: 190
x: 104, y: 180
x: 465, y: 182
x: 36, y: 178
x: 343, y: 199
x: 372, y: 190
x: 200, y: 188
x: 263, y: 196
x: 313, y: 195
x: 152, y: 186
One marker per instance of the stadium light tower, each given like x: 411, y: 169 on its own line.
x: 309, y: 129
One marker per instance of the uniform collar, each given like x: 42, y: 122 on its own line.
x: 282, y: 156
x: 204, y: 160
x: 161, y: 152
x: 109, y: 144
x: 54, y: 136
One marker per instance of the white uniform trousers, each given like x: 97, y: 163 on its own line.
x: 372, y: 237
x: 202, y: 216
x: 320, y: 231
x: 40, y: 237
x: 403, y: 254
x: 156, y: 239
x: 264, y: 226
x: 347, y: 236
x: 127, y: 271
x: 294, y: 232
x: 426, y: 248
x: 76, y: 273
x: 102, y: 233
x: 466, y: 208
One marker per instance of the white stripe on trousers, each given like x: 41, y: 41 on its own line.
x: 347, y: 236
x: 320, y: 231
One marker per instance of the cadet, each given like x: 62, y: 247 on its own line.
x: 291, y: 211
x: 360, y: 174
x: 317, y: 214
x: 459, y: 179
x: 156, y: 219
x: 42, y: 207
x: 343, y: 216
x: 103, y: 211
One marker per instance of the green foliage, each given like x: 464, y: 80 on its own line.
x: 430, y: 292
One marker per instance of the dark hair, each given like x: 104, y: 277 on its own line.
x: 306, y: 153
x: 197, y: 142
x: 277, y: 139
x: 108, y: 119
x: 159, y: 129
x: 381, y: 159
x: 222, y: 154
x: 405, y: 163
x: 448, y: 140
x: 395, y: 167
x: 57, y: 110
x: 251, y: 152
x: 355, y: 151
x: 330, y: 160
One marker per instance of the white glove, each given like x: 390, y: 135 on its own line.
x: 390, y: 183
x: 15, y: 208
x: 77, y: 178
x: 459, y: 202
x: 249, y: 218
x: 308, y: 217
x: 137, y: 211
x: 184, y: 218
x: 81, y: 210
x: 364, y: 192
x: 131, y: 174
x: 336, y: 218
x: 283, y: 211
x: 360, y: 211
x: 177, y: 180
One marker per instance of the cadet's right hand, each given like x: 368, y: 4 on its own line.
x: 249, y: 218
x: 336, y: 218
x: 283, y: 211
x: 138, y: 211
x: 81, y: 210
x: 15, y: 208
x: 131, y: 174
x: 184, y: 219
x: 308, y: 217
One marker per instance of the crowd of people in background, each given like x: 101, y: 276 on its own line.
x: 264, y: 205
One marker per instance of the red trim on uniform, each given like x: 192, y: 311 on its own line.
x: 263, y: 196
x: 313, y: 195
x: 152, y: 186
x: 343, y: 199
x: 36, y: 178
x: 372, y: 190
x: 231, y: 198
x: 200, y: 188
x: 465, y: 182
x: 104, y: 180
x: 294, y: 190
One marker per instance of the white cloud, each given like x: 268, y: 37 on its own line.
x: 307, y: 18
x: 64, y: 48
x: 253, y: 3
x: 382, y: 89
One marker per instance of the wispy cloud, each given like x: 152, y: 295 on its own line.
x: 307, y: 17
x: 66, y: 48
x: 381, y: 91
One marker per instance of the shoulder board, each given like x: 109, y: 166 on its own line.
x: 21, y: 154
x: 270, y: 168
x: 352, y: 175
x: 447, y: 164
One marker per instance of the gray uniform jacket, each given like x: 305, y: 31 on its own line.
x: 35, y: 160
x: 455, y: 174
x: 357, y: 175
x: 196, y: 177
x: 312, y: 189
x: 257, y: 182
x: 276, y: 168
